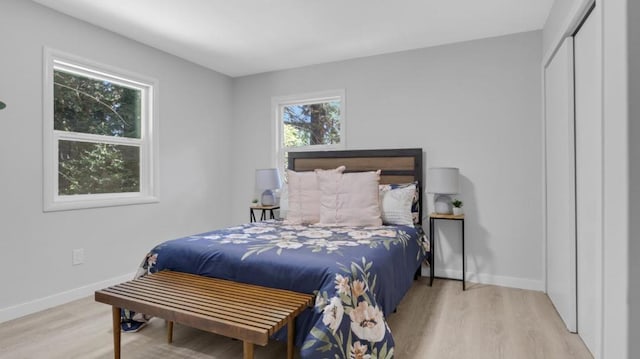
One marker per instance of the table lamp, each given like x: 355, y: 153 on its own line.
x: 268, y: 179
x: 442, y: 182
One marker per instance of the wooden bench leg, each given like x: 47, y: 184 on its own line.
x: 116, y: 331
x: 291, y: 333
x: 169, y: 331
x: 248, y: 349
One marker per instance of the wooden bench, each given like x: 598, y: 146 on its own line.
x: 242, y: 311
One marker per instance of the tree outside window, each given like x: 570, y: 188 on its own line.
x: 91, y: 106
x: 310, y: 122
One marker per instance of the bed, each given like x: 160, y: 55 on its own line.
x: 358, y: 274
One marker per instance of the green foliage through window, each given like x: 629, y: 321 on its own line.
x: 93, y: 106
x: 311, y: 124
x: 99, y: 107
x: 90, y: 168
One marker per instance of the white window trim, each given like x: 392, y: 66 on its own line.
x: 148, y: 142
x: 278, y: 102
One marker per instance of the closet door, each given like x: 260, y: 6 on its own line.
x: 589, y: 182
x: 560, y: 184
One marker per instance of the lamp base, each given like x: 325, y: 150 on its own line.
x: 268, y: 198
x: 442, y: 204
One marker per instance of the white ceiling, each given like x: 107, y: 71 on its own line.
x: 242, y: 37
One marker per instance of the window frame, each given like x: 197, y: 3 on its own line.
x: 279, y: 102
x: 148, y: 141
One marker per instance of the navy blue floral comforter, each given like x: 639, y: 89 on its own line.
x: 359, y: 275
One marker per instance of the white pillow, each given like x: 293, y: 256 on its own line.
x: 284, y: 200
x: 304, y: 196
x: 395, y: 205
x: 349, y: 199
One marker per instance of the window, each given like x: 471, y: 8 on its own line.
x: 98, y: 144
x: 309, y: 122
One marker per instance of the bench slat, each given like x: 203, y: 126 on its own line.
x: 215, y: 300
x: 267, y: 290
x: 276, y: 298
x: 219, y: 296
x: 235, y: 286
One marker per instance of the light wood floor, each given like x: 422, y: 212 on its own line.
x: 431, y: 322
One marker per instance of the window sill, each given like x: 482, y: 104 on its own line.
x: 68, y: 204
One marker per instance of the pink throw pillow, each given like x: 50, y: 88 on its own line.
x: 349, y: 199
x: 304, y: 196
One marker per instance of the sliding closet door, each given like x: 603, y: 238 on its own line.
x: 560, y: 184
x: 588, y: 182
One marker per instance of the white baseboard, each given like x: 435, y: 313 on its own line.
x: 483, y: 278
x: 40, y: 304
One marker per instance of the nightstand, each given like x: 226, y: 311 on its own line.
x: 432, y: 219
x: 264, y: 209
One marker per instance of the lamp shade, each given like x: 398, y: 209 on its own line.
x: 268, y: 178
x: 443, y: 180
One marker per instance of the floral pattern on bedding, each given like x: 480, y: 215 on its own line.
x: 358, y: 274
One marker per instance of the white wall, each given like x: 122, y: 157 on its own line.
x: 472, y: 105
x: 194, y: 124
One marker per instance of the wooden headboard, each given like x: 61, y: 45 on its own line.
x: 396, y: 165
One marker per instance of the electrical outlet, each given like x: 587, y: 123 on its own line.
x: 77, y: 256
